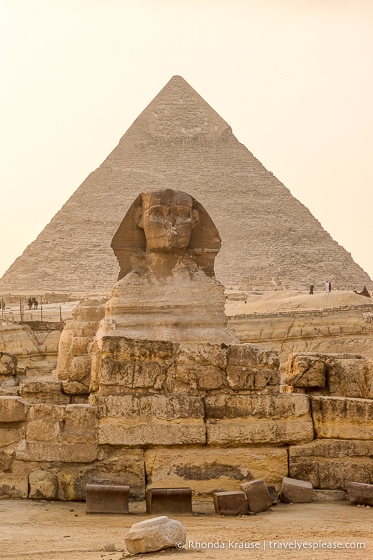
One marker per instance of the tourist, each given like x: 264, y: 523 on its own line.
x: 327, y: 286
x: 36, y: 303
x: 330, y: 287
x: 29, y: 303
x: 311, y: 289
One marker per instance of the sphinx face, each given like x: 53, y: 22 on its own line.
x: 167, y: 221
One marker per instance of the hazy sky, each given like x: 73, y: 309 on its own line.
x: 292, y: 77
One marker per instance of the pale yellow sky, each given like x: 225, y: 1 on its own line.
x: 292, y: 77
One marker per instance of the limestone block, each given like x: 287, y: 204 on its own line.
x: 148, y: 434
x: 6, y: 459
x: 295, y: 491
x: 152, y: 420
x: 43, y: 485
x: 206, y: 469
x: 359, y: 493
x: 13, y: 409
x: 305, y: 370
x: 331, y: 464
x: 257, y: 495
x: 12, y: 486
x: 43, y: 389
x: 342, y: 418
x: 42, y: 430
x: 329, y: 495
x: 252, y: 367
x: 64, y: 452
x: 8, y: 366
x: 231, y: 503
x: 350, y: 377
x: 121, y: 466
x: 155, y: 534
x: 10, y: 434
x: 256, y: 419
x: 128, y: 363
x: 201, y: 366
x: 80, y: 423
x: 79, y: 375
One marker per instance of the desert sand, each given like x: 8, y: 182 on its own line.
x: 63, y: 531
x: 288, y: 300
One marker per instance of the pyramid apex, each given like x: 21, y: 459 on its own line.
x: 179, y: 112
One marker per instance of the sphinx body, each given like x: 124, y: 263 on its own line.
x: 167, y: 290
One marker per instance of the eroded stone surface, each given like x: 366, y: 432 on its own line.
x: 155, y: 534
x: 207, y: 469
x: 342, y: 418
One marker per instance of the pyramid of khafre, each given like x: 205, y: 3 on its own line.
x: 180, y: 142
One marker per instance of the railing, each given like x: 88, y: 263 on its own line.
x: 42, y: 314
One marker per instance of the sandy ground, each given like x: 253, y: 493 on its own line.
x: 63, y: 531
x: 286, y: 300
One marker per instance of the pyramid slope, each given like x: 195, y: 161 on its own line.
x: 180, y: 142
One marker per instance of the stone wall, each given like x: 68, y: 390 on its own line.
x: 340, y: 329
x: 198, y: 415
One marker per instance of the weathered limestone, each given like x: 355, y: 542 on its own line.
x: 331, y: 464
x: 33, y: 350
x: 43, y: 485
x: 342, y: 418
x: 43, y: 390
x: 8, y: 366
x: 257, y: 495
x: 343, y: 375
x: 295, y: 491
x: 305, y: 370
x: 253, y: 368
x: 77, y: 346
x: 336, y: 330
x: 13, y: 409
x: 155, y: 534
x: 234, y: 420
x: 12, y: 486
x: 359, y: 493
x: 151, y: 420
x: 166, y: 246
x: 208, y: 469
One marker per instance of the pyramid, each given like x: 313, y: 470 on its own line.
x: 180, y: 142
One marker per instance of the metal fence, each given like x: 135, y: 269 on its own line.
x: 42, y: 314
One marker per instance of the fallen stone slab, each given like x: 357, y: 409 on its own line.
x: 359, y: 493
x: 231, y: 503
x: 107, y: 498
x: 296, y: 491
x: 169, y: 500
x: 273, y: 494
x: 155, y: 534
x: 257, y: 495
x: 329, y: 495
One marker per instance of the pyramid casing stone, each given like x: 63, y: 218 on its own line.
x: 231, y: 503
x: 257, y: 495
x: 296, y: 491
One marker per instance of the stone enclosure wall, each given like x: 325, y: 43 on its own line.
x: 198, y: 415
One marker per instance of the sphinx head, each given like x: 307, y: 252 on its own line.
x: 167, y: 218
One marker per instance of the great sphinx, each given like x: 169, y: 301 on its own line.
x: 166, y: 247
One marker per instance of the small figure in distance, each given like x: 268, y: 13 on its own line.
x: 29, y: 303
x: 36, y: 303
x: 3, y: 305
x: 327, y: 286
x: 330, y: 287
x: 311, y: 289
x: 363, y: 293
